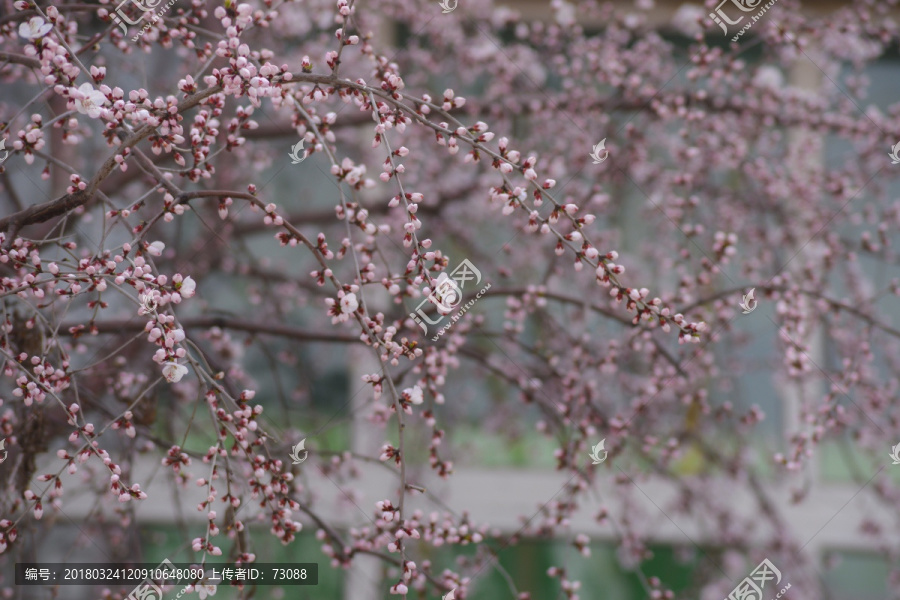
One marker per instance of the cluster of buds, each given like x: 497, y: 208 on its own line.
x: 440, y: 530
x: 125, y: 494
x: 388, y: 512
x: 8, y: 534
x: 125, y: 421
x: 354, y: 175
x: 202, y: 544
x: 389, y: 452
x: 176, y: 458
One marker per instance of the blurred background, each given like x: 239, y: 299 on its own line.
x: 500, y: 429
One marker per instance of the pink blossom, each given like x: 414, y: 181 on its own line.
x: 607, y: 294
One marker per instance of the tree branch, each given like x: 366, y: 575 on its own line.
x: 40, y: 213
x: 276, y: 329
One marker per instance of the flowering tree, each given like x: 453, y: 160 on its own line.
x: 153, y: 237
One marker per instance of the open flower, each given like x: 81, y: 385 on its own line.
x: 173, y: 372
x: 35, y: 28
x: 188, y: 287
x: 415, y: 394
x: 205, y: 590
x: 349, y: 303
x: 156, y: 248
x: 89, y: 101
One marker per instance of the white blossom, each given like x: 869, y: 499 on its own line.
x: 770, y: 77
x: 35, y: 28
x: 687, y: 19
x: 173, y: 372
x: 188, y: 287
x: 89, y: 101
x: 415, y: 394
x: 565, y: 12
x: 349, y: 304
